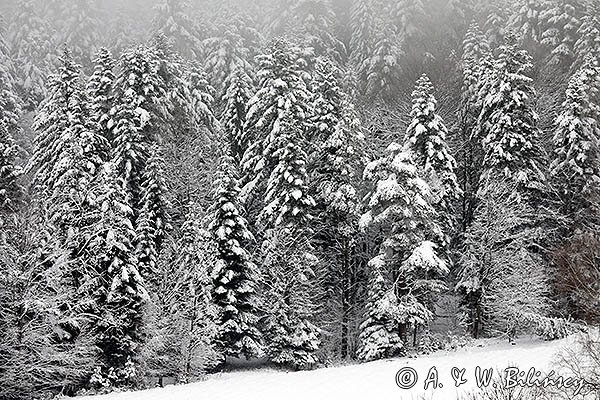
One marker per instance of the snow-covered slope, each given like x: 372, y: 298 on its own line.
x: 374, y: 380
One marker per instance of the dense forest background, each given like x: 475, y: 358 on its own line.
x: 187, y: 183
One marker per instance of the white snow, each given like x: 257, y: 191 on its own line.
x: 374, y: 380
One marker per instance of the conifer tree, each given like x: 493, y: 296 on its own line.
x: 426, y: 139
x: 363, y: 30
x: 560, y: 21
x: 275, y: 127
x: 235, y: 273
x: 476, y: 65
x: 316, y: 19
x: 172, y: 18
x: 380, y: 335
x: 380, y: 72
x: 576, y: 163
x: 334, y: 167
x: 118, y: 287
x: 225, y: 53
x: 588, y: 42
x: 32, y: 47
x: 151, y: 223
x: 237, y: 96
x: 412, y: 271
x: 526, y: 20
x: 68, y: 149
x: 10, y: 189
x: 78, y: 27
x: 99, y: 89
x: 508, y: 121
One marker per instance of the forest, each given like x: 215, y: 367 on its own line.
x: 186, y: 185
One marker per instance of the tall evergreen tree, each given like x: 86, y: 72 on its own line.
x: 100, y: 88
x: 411, y: 270
x: 363, y: 30
x: 118, y: 287
x: 576, y: 163
x: 235, y: 274
x: 172, y: 18
x: 32, y: 48
x: 560, y: 22
x: 276, y: 118
x: 508, y: 121
x: 380, y: 72
x: 10, y: 189
x: 426, y: 139
x: 237, y: 96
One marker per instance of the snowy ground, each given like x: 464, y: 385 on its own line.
x: 375, y: 380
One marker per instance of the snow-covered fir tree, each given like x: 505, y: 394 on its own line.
x: 496, y: 17
x: 287, y: 199
x: 118, y: 287
x: 99, y: 90
x: 237, y: 95
x: 426, y: 139
x: 316, y: 19
x: 32, y: 49
x: 588, y: 42
x: 152, y: 221
x: 172, y: 18
x: 235, y: 275
x: 560, y: 22
x: 10, y: 103
x: 576, y: 164
x: 68, y: 148
x: 335, y: 167
x: 288, y: 283
x: 282, y: 94
x: 476, y: 64
x: 10, y: 189
x: 224, y: 54
x: 526, y: 20
x: 363, y: 30
x: 400, y: 205
x: 380, y: 334
x: 380, y: 72
x: 508, y: 121
x: 77, y: 26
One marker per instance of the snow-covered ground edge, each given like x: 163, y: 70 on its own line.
x: 374, y: 380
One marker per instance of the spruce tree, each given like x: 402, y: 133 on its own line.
x: 118, y: 287
x: 560, y: 22
x: 316, y: 19
x: 508, y: 121
x: 363, y: 30
x: 172, y: 18
x: 32, y: 48
x: 380, y: 72
x: 334, y: 167
x: 224, y: 54
x: 238, y: 94
x: 282, y: 94
x: 10, y: 189
x: 100, y: 88
x: 235, y: 275
x: 588, y: 42
x: 426, y: 139
x: 576, y: 164
x: 399, y: 204
x: 152, y: 221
